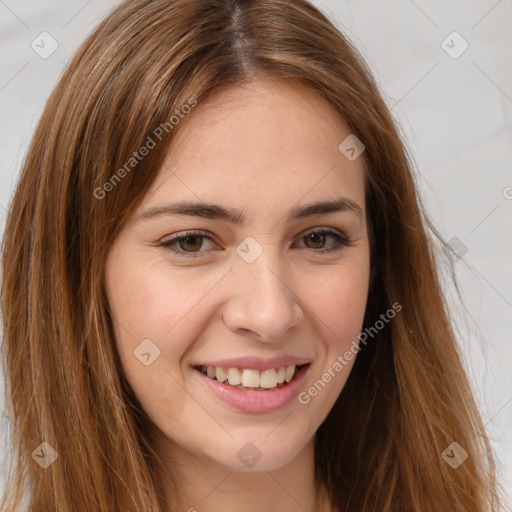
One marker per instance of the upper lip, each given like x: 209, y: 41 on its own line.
x: 256, y: 363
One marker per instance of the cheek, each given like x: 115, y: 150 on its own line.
x: 150, y: 303
x: 339, y: 304
x: 156, y: 319
x: 339, y: 307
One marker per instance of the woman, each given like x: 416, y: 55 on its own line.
x: 218, y: 289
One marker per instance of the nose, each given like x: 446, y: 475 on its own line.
x: 261, y: 303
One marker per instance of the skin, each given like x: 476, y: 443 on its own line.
x: 264, y: 148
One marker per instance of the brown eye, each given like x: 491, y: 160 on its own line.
x: 191, y: 243
x: 317, y: 239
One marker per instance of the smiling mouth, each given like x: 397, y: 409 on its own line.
x: 250, y: 379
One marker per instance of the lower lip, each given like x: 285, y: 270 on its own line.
x: 256, y: 401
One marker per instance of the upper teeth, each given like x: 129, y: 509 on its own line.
x: 251, y: 378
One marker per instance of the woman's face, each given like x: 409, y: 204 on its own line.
x: 268, y: 279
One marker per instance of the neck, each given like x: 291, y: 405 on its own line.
x: 190, y: 483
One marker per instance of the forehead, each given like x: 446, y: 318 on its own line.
x: 263, y: 144
x: 277, y: 116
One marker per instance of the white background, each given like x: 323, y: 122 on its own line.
x: 455, y: 113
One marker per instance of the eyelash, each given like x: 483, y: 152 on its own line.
x: 341, y: 242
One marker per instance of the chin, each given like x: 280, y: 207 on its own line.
x: 257, y: 451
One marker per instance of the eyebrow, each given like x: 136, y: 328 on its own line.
x: 234, y: 216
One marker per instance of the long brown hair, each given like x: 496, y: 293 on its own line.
x: 407, y: 398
